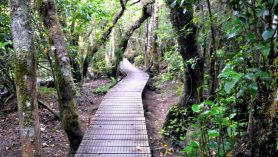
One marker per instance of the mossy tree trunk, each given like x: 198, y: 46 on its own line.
x: 146, y: 13
x: 25, y: 75
x: 147, y: 55
x: 186, y: 36
x: 64, y: 82
x: 212, y: 71
x: 154, y: 49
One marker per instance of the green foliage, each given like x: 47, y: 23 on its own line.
x: 174, y: 67
x: 105, y: 88
x: 139, y: 60
x: 244, y: 43
x: 176, y: 126
x: 82, y: 12
x: 211, y: 120
x: 230, y: 78
x: 46, y: 90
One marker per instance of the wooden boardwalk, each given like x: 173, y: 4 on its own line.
x: 119, y: 128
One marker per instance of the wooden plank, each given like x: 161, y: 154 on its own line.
x: 118, y: 127
x: 118, y: 118
x: 122, y: 104
x: 114, y: 143
x: 113, y: 155
x: 128, y: 122
x: 121, y: 109
x: 122, y: 101
x: 116, y: 132
x: 119, y: 115
x: 114, y: 150
x: 119, y: 112
x: 136, y: 107
x: 116, y: 137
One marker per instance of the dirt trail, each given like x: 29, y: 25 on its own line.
x: 157, y: 104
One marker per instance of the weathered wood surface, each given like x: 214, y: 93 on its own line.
x: 118, y: 128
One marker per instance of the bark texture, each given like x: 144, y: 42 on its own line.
x: 102, y: 40
x: 212, y: 71
x: 146, y: 13
x: 186, y: 33
x: 147, y: 55
x: 154, y: 49
x: 25, y: 74
x: 64, y: 82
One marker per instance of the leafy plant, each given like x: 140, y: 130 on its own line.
x: 105, y: 88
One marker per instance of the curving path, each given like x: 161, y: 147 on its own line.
x: 119, y: 128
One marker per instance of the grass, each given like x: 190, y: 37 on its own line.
x: 45, y: 90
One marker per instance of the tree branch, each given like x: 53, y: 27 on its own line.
x: 43, y: 105
x: 135, y: 3
x: 104, y: 37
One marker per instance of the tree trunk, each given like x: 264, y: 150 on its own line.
x: 25, y: 76
x: 147, y: 55
x: 192, y: 92
x: 154, y: 49
x: 146, y: 13
x: 64, y: 82
x: 212, y: 71
x: 104, y: 37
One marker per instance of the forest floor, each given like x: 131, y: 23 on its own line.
x: 157, y: 102
x: 54, y: 140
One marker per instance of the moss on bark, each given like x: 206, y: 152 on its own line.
x: 25, y: 77
x: 63, y: 76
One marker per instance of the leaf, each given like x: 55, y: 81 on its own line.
x: 195, y: 108
x: 231, y: 77
x: 251, y: 37
x: 194, y: 144
x: 184, y: 10
x: 231, y: 130
x: 233, y: 32
x: 213, y: 133
x: 2, y: 45
x: 173, y: 4
x: 267, y: 34
x: 182, y: 1
x: 231, y: 116
x: 220, y: 53
x: 209, y: 102
x: 188, y: 149
x: 240, y: 93
x: 215, y: 110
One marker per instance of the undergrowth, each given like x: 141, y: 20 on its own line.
x: 105, y: 88
x: 46, y: 90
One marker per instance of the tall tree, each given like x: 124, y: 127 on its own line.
x: 181, y: 16
x: 212, y: 71
x: 154, y: 49
x: 25, y: 75
x: 147, y: 52
x: 64, y: 82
